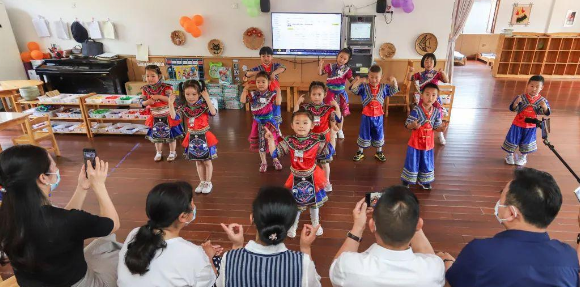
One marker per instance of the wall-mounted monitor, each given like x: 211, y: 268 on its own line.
x: 306, y: 34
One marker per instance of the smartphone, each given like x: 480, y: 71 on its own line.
x: 372, y: 198
x: 89, y: 154
x: 577, y: 193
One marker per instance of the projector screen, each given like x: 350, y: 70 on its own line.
x: 306, y: 34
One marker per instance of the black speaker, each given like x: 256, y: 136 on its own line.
x: 265, y: 6
x: 381, y: 6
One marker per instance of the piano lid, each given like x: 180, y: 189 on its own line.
x: 79, y: 65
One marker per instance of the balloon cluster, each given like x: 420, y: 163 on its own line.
x: 407, y: 5
x: 254, y: 32
x: 191, y: 25
x: 252, y: 7
x: 33, y: 53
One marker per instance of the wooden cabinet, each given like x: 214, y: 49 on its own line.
x: 550, y: 55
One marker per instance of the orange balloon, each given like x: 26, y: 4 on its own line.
x: 25, y: 56
x: 36, y: 55
x: 196, y: 32
x: 183, y: 20
x: 198, y: 20
x: 32, y: 46
x: 189, y: 26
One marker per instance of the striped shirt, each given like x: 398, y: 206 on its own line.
x: 267, y: 266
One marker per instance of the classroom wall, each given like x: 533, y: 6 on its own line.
x: 150, y: 22
x: 547, y: 16
x: 561, y: 7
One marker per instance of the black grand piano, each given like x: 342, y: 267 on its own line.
x: 83, y: 76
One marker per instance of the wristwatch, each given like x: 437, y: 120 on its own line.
x: 353, y: 237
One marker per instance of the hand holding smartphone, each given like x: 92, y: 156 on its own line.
x: 89, y: 154
x: 372, y: 198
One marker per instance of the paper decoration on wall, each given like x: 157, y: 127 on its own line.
x: 186, y: 72
x: 215, y: 47
x: 142, y: 52
x: 521, y: 14
x: 213, y: 69
x: 387, y: 51
x: 253, y: 38
x: 225, y: 74
x: 426, y: 43
x: 176, y: 70
x: 570, y: 18
x: 178, y: 38
x: 61, y: 30
x: 236, y: 69
x: 94, y: 30
x: 109, y: 30
x: 41, y: 27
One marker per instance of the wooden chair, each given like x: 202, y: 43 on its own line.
x: 34, y: 134
x: 447, y: 90
x: 10, y: 282
x: 404, y: 90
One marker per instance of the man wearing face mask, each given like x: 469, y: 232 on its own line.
x: 401, y: 255
x: 524, y: 254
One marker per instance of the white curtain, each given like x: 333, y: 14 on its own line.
x: 461, y: 10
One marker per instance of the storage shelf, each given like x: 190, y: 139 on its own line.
x: 66, y: 119
x: 551, y: 55
x: 135, y: 134
x: 105, y: 119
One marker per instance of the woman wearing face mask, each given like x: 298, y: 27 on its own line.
x: 44, y: 243
x: 155, y: 255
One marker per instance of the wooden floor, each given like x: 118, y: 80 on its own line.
x: 470, y: 170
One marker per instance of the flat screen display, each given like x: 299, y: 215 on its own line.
x: 306, y: 34
x: 360, y: 31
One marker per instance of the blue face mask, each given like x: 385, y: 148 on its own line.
x: 193, y: 218
x: 53, y: 186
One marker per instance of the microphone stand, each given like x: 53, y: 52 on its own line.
x: 553, y: 149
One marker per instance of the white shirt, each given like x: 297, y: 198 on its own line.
x: 309, y: 276
x: 180, y: 264
x: 379, y: 266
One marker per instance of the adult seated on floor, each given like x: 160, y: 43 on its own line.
x: 401, y: 256
x: 44, y: 243
x: 524, y: 254
x: 266, y: 262
x: 155, y: 254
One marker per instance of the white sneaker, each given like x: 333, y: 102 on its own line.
x: 158, y: 156
x: 207, y: 188
x: 292, y: 231
x: 199, y: 188
x: 509, y: 159
x: 340, y: 134
x: 328, y: 187
x: 171, y: 157
x: 521, y: 161
x: 442, y: 140
x: 319, y: 231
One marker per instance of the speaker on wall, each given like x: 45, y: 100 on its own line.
x: 265, y: 6
x: 381, y: 6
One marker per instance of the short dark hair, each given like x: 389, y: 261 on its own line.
x: 153, y: 68
x: 266, y: 51
x: 199, y: 86
x: 427, y: 56
x: 396, y: 215
x: 263, y: 74
x: 317, y: 84
x: 274, y: 211
x: 536, y: 78
x: 303, y: 111
x: 431, y: 86
x: 536, y: 194
x: 375, y: 69
x: 347, y: 51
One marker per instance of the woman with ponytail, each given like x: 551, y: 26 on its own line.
x: 155, y: 255
x: 266, y: 262
x: 44, y: 243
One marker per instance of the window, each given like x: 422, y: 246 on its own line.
x: 481, y: 19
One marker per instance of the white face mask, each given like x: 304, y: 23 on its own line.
x: 496, y: 212
x: 192, y: 218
